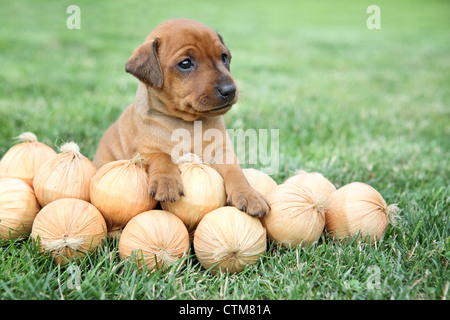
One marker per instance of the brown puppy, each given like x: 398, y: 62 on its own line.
x: 184, y: 76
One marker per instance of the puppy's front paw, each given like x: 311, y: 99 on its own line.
x: 249, y: 201
x: 166, y: 187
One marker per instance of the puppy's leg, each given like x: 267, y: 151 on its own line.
x: 240, y: 193
x: 165, y: 182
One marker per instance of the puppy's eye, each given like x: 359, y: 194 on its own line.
x: 225, y: 59
x: 186, y: 64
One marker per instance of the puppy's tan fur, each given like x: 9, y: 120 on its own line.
x: 169, y: 98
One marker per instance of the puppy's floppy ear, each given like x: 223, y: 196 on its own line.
x: 220, y: 37
x: 144, y: 64
x: 223, y: 42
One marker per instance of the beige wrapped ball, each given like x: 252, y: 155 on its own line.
x: 314, y: 180
x: 68, y: 228
x: 204, y: 191
x: 156, y: 238
x: 228, y: 239
x: 24, y: 159
x: 18, y: 208
x: 66, y: 175
x: 259, y: 180
x: 119, y: 189
x: 297, y: 214
x: 359, y: 209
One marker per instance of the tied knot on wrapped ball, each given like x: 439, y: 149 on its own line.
x: 191, y: 158
x: 166, y: 255
x: 321, y: 203
x: 26, y: 137
x: 137, y: 160
x: 71, y: 147
x: 392, y: 212
x: 60, y: 246
x: 231, y: 253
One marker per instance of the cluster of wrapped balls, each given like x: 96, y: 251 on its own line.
x: 69, y: 207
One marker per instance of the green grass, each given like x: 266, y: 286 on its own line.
x: 352, y: 103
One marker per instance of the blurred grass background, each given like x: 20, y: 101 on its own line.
x: 352, y: 103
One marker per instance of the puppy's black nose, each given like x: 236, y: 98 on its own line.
x: 227, y: 91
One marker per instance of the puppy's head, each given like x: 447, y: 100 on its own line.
x: 186, y: 65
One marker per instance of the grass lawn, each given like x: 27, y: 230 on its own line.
x: 352, y: 103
